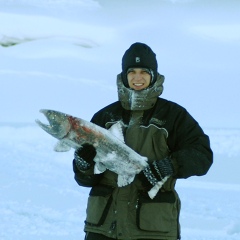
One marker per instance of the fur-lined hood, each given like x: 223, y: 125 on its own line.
x: 139, y: 100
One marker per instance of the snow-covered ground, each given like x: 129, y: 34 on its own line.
x: 40, y: 199
x: 65, y: 54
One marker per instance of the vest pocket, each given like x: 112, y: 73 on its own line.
x: 99, y: 201
x: 159, y: 214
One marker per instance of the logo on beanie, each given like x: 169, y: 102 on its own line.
x: 137, y: 59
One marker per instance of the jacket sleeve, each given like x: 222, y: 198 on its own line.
x: 191, y: 152
x: 86, y: 178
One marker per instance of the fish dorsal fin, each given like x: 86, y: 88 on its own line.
x: 117, y: 130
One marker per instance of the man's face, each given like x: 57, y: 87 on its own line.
x: 138, y: 78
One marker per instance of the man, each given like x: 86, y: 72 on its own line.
x: 162, y: 131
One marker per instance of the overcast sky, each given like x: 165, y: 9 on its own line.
x: 76, y: 47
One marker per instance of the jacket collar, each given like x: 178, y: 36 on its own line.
x: 139, y: 100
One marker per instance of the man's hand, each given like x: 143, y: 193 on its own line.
x: 84, y: 156
x: 156, y: 172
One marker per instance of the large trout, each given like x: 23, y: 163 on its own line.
x: 112, y: 152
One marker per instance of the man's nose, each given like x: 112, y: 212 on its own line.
x: 138, y: 76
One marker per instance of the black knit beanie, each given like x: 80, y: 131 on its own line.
x: 139, y: 55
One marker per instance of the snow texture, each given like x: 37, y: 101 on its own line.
x: 40, y: 199
x: 57, y: 53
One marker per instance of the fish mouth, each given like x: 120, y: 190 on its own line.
x: 58, y: 127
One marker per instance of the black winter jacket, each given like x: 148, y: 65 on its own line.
x: 163, y: 129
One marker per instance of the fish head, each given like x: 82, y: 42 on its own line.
x: 59, y: 125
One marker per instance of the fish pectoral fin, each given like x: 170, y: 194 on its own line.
x: 61, y: 146
x: 99, y: 168
x: 125, y: 180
